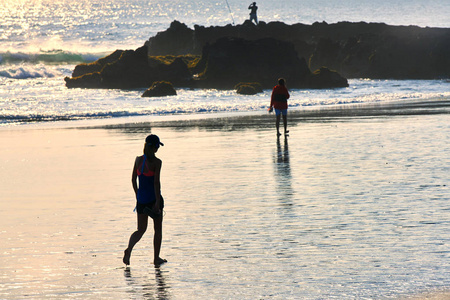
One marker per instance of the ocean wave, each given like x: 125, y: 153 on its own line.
x: 435, y: 105
x: 49, y: 57
x: 37, y: 118
x: 47, y: 99
x: 29, y: 72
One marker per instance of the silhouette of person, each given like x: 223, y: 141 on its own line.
x: 253, y: 8
x: 147, y: 168
x: 278, y: 100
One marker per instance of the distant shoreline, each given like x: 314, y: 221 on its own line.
x: 254, y: 118
x: 262, y: 119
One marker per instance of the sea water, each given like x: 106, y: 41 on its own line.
x: 47, y: 99
x: 42, y: 41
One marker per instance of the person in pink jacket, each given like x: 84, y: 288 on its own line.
x: 278, y: 101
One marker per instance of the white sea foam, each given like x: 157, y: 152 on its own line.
x: 27, y: 72
x: 41, y: 90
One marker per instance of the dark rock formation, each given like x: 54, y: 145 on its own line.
x: 325, y: 78
x: 160, y: 89
x: 372, y: 50
x: 248, y: 88
x: 229, y: 61
x: 176, y: 40
x: 96, y: 66
x: 89, y: 81
x: 127, y: 70
x: 131, y: 70
x: 222, y: 65
x: 264, y: 52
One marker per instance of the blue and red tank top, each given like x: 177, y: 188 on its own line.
x: 146, y: 190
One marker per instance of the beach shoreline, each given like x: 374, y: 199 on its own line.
x: 375, y: 109
x: 352, y: 204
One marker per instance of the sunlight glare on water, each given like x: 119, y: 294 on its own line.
x: 98, y: 26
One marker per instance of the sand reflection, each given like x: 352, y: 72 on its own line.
x: 282, y: 173
x: 148, y: 287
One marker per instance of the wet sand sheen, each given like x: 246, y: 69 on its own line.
x: 347, y: 207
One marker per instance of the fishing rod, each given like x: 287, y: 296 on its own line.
x: 231, y: 14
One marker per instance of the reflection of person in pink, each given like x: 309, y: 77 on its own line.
x: 278, y: 101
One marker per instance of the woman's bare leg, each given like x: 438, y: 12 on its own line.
x: 157, y: 240
x: 285, y: 124
x: 142, y: 222
x: 277, y: 124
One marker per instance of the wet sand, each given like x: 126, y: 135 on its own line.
x: 353, y: 205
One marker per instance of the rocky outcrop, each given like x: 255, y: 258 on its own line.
x: 325, y: 78
x: 96, y: 66
x: 176, y: 40
x: 264, y: 52
x: 160, y: 89
x: 229, y: 61
x: 248, y: 88
x: 372, y: 50
x: 222, y: 65
x: 127, y: 70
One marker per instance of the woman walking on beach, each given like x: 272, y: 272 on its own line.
x: 278, y: 100
x: 148, y: 195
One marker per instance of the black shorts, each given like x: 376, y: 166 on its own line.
x: 141, y: 206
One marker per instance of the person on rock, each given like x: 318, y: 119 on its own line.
x: 253, y: 8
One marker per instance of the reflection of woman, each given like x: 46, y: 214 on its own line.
x: 149, y: 200
x: 161, y: 289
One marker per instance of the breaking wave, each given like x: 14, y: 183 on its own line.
x: 28, y: 72
x: 49, y: 57
x: 44, y: 64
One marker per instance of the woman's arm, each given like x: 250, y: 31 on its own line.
x: 157, y: 183
x: 134, y: 176
x: 272, y: 98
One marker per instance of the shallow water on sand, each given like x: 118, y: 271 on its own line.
x: 345, y: 208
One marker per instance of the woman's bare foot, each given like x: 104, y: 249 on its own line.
x: 126, y: 257
x: 159, y: 261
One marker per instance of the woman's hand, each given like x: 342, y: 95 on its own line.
x: 156, y: 208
